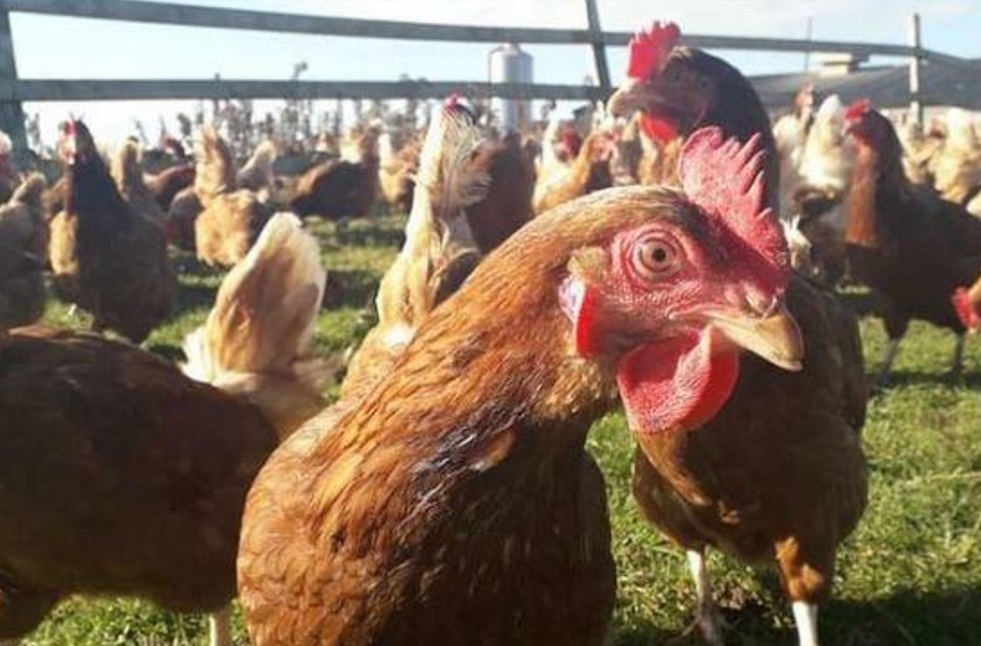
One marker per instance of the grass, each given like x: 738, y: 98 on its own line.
x: 910, y: 575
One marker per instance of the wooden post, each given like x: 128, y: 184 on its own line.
x: 599, y: 49
x: 11, y: 111
x: 913, y: 40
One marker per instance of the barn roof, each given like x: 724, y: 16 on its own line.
x: 941, y: 83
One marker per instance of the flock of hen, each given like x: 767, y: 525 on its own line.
x: 447, y: 497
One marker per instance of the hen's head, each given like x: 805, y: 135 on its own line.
x: 669, y: 301
x: 870, y: 128
x: 75, y: 145
x: 680, y: 89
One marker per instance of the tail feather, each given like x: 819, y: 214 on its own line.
x: 256, y: 340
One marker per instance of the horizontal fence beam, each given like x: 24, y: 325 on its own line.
x: 112, y: 90
x: 219, y: 18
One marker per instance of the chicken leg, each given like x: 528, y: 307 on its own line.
x: 706, y: 614
x: 805, y: 617
x: 888, y: 357
x: 219, y: 627
x: 957, y: 361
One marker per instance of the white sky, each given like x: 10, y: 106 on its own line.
x: 51, y: 47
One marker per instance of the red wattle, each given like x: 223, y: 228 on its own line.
x: 676, y: 383
x: 660, y: 130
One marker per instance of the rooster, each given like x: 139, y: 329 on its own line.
x: 23, y: 250
x: 342, y: 188
x: 107, y: 257
x: 144, y: 469
x: 780, y: 471
x: 231, y: 218
x: 454, y: 502
x: 913, y: 249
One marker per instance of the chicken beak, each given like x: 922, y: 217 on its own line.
x: 774, y: 336
x: 626, y: 99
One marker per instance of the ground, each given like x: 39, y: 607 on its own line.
x: 911, y: 574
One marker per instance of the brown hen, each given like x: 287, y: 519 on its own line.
x: 126, y: 477
x: 779, y: 473
x: 106, y: 256
x: 454, y: 502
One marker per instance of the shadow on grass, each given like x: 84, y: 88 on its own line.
x: 350, y: 288
x: 369, y: 236
x: 908, y: 617
x: 970, y: 380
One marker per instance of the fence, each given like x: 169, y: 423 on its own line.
x: 14, y: 90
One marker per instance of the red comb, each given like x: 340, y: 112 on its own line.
x: 451, y: 101
x: 649, y: 49
x: 725, y: 179
x: 858, y: 109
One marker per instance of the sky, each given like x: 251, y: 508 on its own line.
x: 71, y: 48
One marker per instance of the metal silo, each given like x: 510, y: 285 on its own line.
x: 508, y: 64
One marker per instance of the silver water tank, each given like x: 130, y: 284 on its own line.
x: 508, y: 64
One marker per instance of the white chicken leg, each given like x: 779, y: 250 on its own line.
x: 706, y: 615
x: 220, y: 627
x: 806, y: 616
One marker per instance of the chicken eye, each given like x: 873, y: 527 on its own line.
x: 655, y: 258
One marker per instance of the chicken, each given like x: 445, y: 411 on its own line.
x: 106, y: 257
x: 967, y: 302
x: 396, y: 171
x: 507, y: 205
x: 454, y: 503
x: 588, y: 172
x: 256, y: 341
x: 911, y: 248
x: 790, y: 135
x: 439, y: 250
x: 145, y: 470
x: 23, y: 249
x: 918, y: 152
x: 165, y: 185
x: 257, y: 173
x: 342, y: 188
x: 779, y: 471
x: 823, y: 176
x: 956, y: 167
x: 128, y: 175
x: 231, y: 218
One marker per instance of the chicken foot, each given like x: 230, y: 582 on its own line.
x: 805, y: 617
x: 219, y: 627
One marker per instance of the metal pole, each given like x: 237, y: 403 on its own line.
x: 599, y: 49
x: 913, y: 40
x: 11, y: 111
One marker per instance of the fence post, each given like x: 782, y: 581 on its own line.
x: 599, y: 49
x: 913, y: 40
x: 11, y: 111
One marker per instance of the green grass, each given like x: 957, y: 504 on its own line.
x: 911, y: 574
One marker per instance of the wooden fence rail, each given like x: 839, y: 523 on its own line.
x: 14, y: 90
